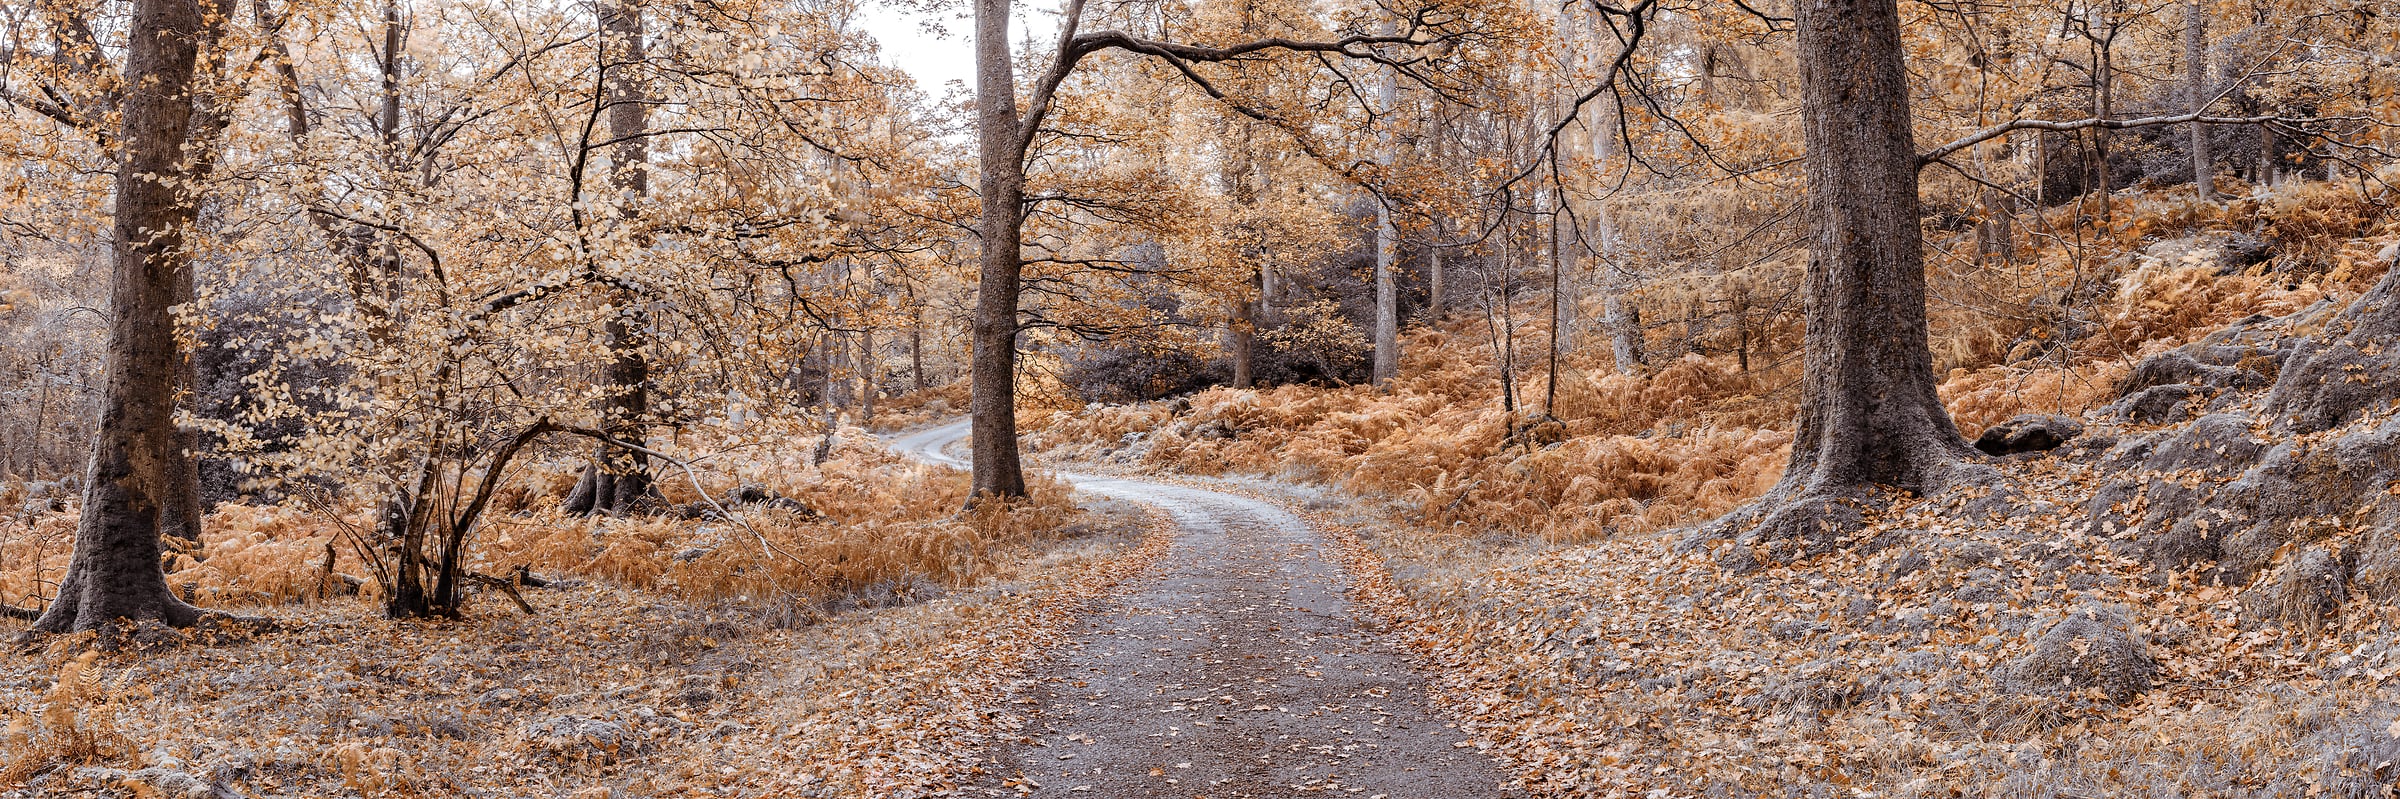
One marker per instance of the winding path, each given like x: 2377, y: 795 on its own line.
x: 1233, y: 670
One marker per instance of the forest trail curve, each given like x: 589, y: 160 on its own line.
x: 1234, y: 669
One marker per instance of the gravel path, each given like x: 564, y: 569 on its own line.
x: 1234, y: 670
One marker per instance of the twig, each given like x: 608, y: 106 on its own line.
x: 508, y: 587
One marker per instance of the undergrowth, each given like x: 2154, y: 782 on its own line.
x: 864, y: 520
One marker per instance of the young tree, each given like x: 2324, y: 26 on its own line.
x: 2195, y: 76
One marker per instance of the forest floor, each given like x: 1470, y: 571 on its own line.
x: 1236, y: 668
x: 610, y: 690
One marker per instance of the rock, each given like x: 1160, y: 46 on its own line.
x: 578, y: 737
x: 2327, y: 384
x: 158, y: 781
x: 2032, y: 432
x: 1904, y: 564
x: 747, y: 495
x: 2304, y: 592
x: 2094, y: 648
x: 2193, y: 366
x: 502, y: 697
x: 2166, y: 404
x: 2224, y: 252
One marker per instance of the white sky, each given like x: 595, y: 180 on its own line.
x: 936, y: 60
x: 933, y: 60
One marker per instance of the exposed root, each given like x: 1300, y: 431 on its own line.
x: 1799, y: 521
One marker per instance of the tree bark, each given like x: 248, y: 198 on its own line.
x: 916, y: 340
x: 1435, y: 284
x: 866, y: 375
x: 1387, y: 254
x: 1600, y: 237
x: 998, y: 471
x: 1560, y: 313
x: 620, y: 480
x: 138, y: 456
x: 1239, y: 163
x: 1869, y: 412
x: 2195, y: 74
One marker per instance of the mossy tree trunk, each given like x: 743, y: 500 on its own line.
x: 1869, y: 412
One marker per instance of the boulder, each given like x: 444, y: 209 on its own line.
x: 2032, y: 432
x: 2214, y: 367
x: 578, y: 737
x: 2093, y: 648
x: 2303, y: 593
x: 2327, y: 383
x: 2165, y: 404
x: 2224, y: 252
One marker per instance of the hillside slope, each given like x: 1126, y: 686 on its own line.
x: 2188, y: 598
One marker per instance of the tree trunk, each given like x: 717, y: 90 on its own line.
x: 1243, y: 342
x: 2103, y: 107
x: 2195, y: 75
x: 1240, y: 162
x: 998, y: 472
x: 1387, y: 254
x: 916, y: 341
x: 1435, y: 284
x: 1560, y: 312
x: 1508, y: 321
x: 2267, y: 171
x: 137, y: 454
x: 1624, y: 331
x: 1600, y: 237
x: 620, y: 481
x: 1869, y: 413
x: 1387, y: 297
x: 866, y: 375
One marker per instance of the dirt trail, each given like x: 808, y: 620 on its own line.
x: 1234, y: 670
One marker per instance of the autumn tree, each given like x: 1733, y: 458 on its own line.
x: 140, y: 482
x: 1006, y: 131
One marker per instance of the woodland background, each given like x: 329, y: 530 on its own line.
x: 1510, y: 294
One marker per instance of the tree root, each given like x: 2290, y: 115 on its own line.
x: 1792, y: 523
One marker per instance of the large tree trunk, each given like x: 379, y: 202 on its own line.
x: 998, y: 471
x: 618, y: 481
x: 138, y: 457
x: 2195, y: 76
x: 1869, y: 414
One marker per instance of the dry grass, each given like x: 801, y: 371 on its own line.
x: 864, y: 653
x: 76, y: 724
x: 880, y: 524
